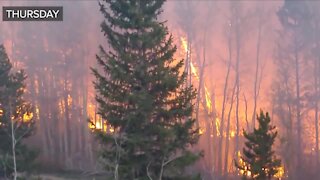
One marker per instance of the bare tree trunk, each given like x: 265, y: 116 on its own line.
x: 200, y: 87
x: 207, y: 124
x: 118, y: 156
x: 316, y: 118
x: 237, y: 92
x: 224, y: 106
x: 316, y: 89
x: 316, y: 105
x: 187, y: 63
x: 256, y: 91
x: 13, y: 139
x: 190, y: 61
x: 85, y: 119
x: 298, y: 106
x: 290, y: 148
x: 42, y: 122
x: 246, y: 110
x: 49, y: 119
x: 214, y: 139
x: 237, y: 68
x: 210, y: 142
x: 228, y: 133
x: 66, y: 123
x: 13, y: 151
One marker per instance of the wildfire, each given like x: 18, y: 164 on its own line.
x: 247, y: 172
x: 280, y: 173
x: 201, y: 131
x: 217, y: 126
x: 111, y: 129
x: 27, y: 117
x: 37, y: 111
x: 69, y: 100
x: 91, y: 125
x: 196, y: 74
x: 208, y: 100
x: 232, y: 134
x: 98, y: 125
x: 91, y: 111
x: 61, y: 106
x: 184, y: 44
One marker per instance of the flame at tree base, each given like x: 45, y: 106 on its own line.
x: 246, y: 171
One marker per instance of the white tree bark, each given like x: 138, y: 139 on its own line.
x: 13, y: 139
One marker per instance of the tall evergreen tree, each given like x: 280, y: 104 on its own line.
x: 16, y: 122
x: 140, y: 93
x: 259, y: 161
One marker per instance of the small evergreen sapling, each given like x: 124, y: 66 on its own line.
x: 258, y: 160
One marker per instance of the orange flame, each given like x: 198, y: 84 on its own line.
x: 246, y: 172
x: 27, y: 117
x: 196, y: 74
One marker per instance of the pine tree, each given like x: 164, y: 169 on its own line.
x: 140, y: 94
x: 16, y: 122
x: 259, y: 161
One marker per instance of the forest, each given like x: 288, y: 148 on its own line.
x: 162, y: 89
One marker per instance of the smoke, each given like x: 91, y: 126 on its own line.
x: 57, y: 57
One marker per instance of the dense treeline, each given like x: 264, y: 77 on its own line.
x: 240, y: 57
